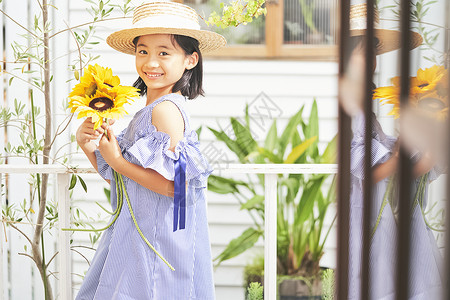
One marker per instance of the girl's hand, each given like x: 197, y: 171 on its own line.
x: 110, y: 150
x: 86, y: 133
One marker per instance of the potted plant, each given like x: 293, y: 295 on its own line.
x: 302, y: 204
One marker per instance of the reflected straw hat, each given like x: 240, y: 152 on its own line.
x: 164, y: 17
x: 388, y: 40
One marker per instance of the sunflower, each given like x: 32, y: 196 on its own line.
x: 95, y: 77
x: 434, y: 105
x: 99, y: 95
x: 429, y: 84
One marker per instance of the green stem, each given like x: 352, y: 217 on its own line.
x: 387, y: 194
x: 121, y: 191
x: 137, y: 226
x: 116, y: 212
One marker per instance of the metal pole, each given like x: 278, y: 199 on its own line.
x: 405, y: 178
x: 343, y: 194
x: 367, y: 189
x: 270, y: 237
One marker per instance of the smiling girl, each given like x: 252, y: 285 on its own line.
x: 164, y: 172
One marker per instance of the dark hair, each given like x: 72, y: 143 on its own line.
x: 190, y: 83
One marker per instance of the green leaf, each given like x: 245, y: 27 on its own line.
x: 238, y: 245
x: 107, y: 194
x: 309, y: 197
x: 272, y: 137
x: 313, y: 130
x: 232, y: 145
x: 73, y: 181
x: 199, y: 131
x: 269, y: 155
x: 244, y: 137
x: 256, y: 202
x: 223, y: 185
x: 329, y: 156
x: 288, y: 131
x: 299, y: 150
x: 83, y: 184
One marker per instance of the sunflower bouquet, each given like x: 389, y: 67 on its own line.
x: 100, y: 96
x: 428, y: 93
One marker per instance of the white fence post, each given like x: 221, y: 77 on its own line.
x: 65, y: 262
x: 270, y: 240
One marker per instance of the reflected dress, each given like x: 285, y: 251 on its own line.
x: 124, y: 267
x: 425, y: 274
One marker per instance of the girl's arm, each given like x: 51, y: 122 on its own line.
x: 166, y: 118
x: 386, y: 169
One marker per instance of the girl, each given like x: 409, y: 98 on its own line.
x: 164, y: 172
x: 424, y: 279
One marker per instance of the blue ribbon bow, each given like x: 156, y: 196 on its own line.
x: 179, y: 209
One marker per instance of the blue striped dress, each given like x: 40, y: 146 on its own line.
x: 425, y: 273
x: 124, y: 267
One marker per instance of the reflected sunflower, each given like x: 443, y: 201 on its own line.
x: 434, y: 105
x: 430, y: 83
x: 99, y: 95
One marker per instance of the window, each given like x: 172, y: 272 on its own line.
x: 299, y: 29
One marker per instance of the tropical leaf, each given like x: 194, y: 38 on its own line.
x: 329, y: 155
x: 199, y: 131
x: 223, y: 185
x: 309, y: 196
x: 244, y: 137
x: 256, y: 202
x: 272, y: 137
x: 231, y: 144
x: 238, y: 245
x: 291, y: 127
x: 312, y: 130
x: 299, y: 150
x: 293, y: 186
x: 270, y: 155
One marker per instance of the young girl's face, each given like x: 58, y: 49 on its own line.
x: 161, y: 62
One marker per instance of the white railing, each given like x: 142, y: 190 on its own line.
x: 270, y: 172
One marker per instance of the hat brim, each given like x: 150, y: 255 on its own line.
x: 123, y: 40
x: 389, y: 40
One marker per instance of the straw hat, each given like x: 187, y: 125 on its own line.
x: 388, y: 40
x: 164, y: 17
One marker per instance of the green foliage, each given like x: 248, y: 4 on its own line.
x: 255, y: 291
x: 302, y: 204
x: 429, y: 31
x: 328, y: 284
x: 236, y: 13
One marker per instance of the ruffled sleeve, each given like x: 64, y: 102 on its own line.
x: 151, y: 150
x: 379, y: 155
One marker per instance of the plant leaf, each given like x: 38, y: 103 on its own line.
x: 232, y: 145
x: 73, y: 181
x: 244, y: 137
x: 299, y: 150
x: 256, y: 202
x: 313, y: 130
x: 329, y: 155
x: 238, y: 245
x: 269, y: 155
x: 272, y: 137
x: 83, y: 184
x: 288, y: 131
